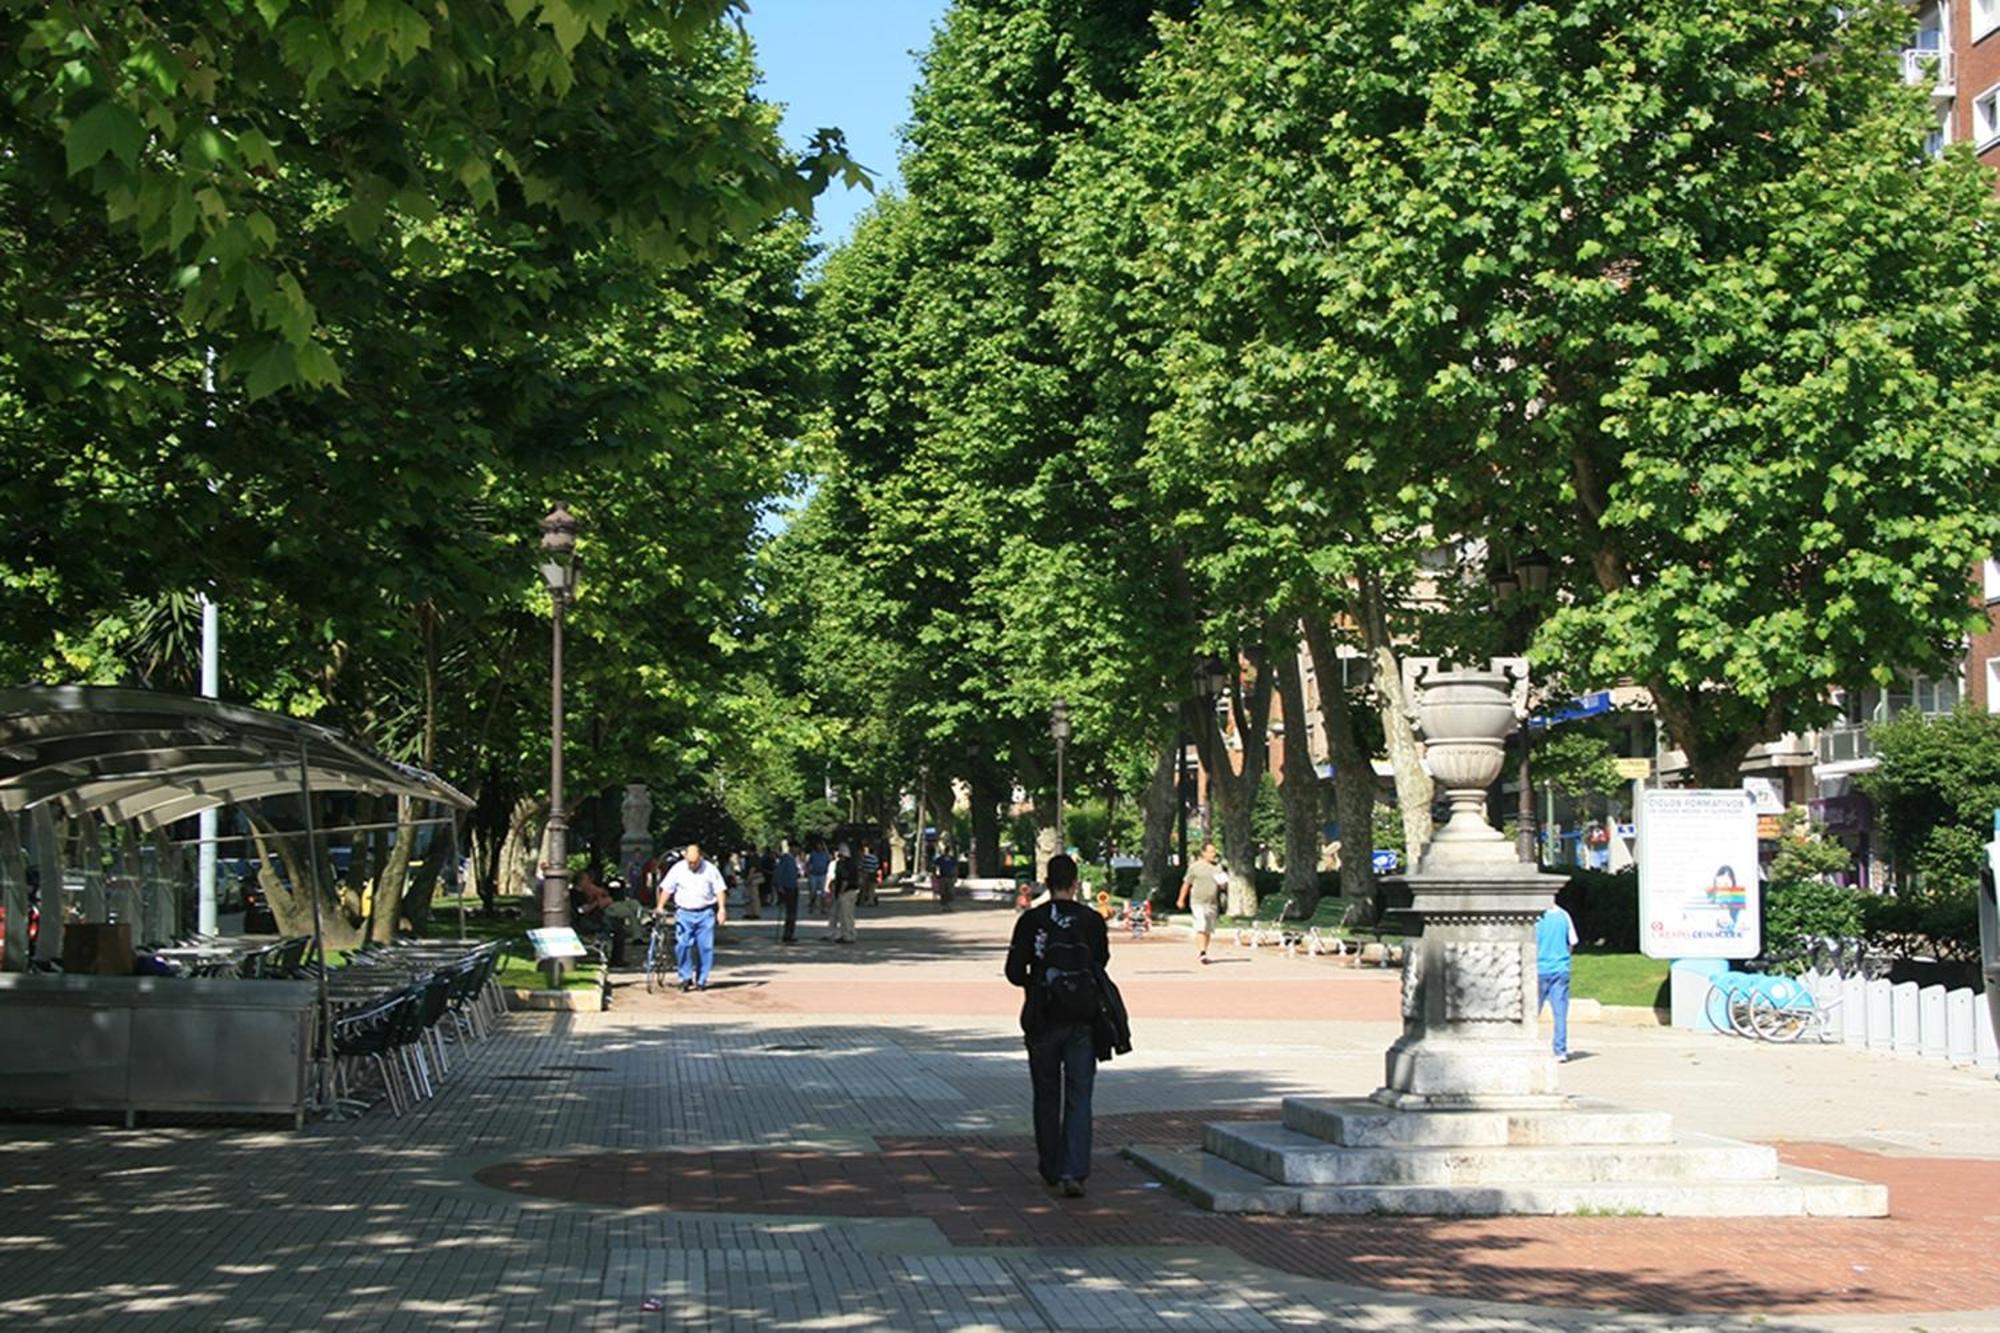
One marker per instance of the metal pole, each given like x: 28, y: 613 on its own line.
x: 1527, y: 838
x: 324, y: 1057
x: 1062, y: 836
x: 1180, y: 794
x: 457, y: 872
x: 211, y: 680
x: 555, y: 872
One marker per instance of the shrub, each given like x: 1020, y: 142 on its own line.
x: 1798, y: 911
x: 1605, y: 907
x: 1924, y: 923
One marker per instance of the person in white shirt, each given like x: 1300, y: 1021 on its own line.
x: 698, y: 894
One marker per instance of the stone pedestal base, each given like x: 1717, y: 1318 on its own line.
x: 1360, y: 1156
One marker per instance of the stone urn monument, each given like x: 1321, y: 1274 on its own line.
x: 1469, y: 1036
x: 1469, y: 1119
x: 635, y: 845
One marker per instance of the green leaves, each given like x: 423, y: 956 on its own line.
x: 108, y: 129
x: 604, y: 120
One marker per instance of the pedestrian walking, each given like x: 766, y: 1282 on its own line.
x: 818, y: 863
x: 867, y: 870
x: 785, y: 880
x: 1555, y: 936
x: 945, y: 872
x: 700, y: 905
x: 1057, y: 956
x: 753, y: 884
x: 844, y: 887
x: 1202, y: 889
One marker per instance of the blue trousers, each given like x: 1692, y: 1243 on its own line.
x: 694, y: 945
x: 1553, y: 990
x: 1062, y: 1063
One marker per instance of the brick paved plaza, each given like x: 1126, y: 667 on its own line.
x: 836, y: 1138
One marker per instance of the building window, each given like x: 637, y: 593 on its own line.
x: 1986, y: 118
x: 1993, y: 684
x: 1990, y: 579
x: 1985, y: 18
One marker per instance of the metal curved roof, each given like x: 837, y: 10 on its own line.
x: 156, y: 758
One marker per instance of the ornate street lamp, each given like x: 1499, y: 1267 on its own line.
x: 1533, y: 571
x: 559, y: 572
x: 1059, y: 730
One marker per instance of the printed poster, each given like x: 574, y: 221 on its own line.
x: 1698, y: 874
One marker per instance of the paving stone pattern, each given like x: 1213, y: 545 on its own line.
x: 784, y: 1169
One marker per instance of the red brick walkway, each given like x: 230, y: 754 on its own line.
x: 983, y: 1191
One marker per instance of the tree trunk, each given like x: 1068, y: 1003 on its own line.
x: 422, y: 890
x: 1414, y: 789
x: 519, y: 853
x: 1157, y: 805
x: 985, y: 826
x: 1353, y: 767
x: 1711, y: 764
x: 386, y: 902
x: 1232, y: 789
x: 291, y: 900
x: 1300, y: 789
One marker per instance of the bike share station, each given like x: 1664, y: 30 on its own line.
x: 1699, y: 910
x: 1699, y: 905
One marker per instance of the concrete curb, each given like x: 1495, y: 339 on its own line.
x: 567, y: 1001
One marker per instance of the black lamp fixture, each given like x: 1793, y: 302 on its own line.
x: 1533, y: 570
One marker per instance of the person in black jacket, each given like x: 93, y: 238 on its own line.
x: 1058, y: 955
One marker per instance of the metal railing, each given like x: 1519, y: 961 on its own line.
x: 1928, y: 65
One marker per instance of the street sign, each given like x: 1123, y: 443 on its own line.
x: 1633, y: 770
x: 1698, y: 874
x: 1385, y: 862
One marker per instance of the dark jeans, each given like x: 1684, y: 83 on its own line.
x: 791, y: 905
x: 1062, y: 1062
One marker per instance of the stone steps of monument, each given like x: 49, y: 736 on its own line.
x: 1360, y: 1123
x: 1225, y: 1187
x: 1291, y: 1158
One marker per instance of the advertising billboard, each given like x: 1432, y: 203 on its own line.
x: 1698, y: 874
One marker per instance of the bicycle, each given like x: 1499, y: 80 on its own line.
x: 1767, y: 1006
x: 1788, y: 1010
x: 1727, y: 1004
x: 659, y: 953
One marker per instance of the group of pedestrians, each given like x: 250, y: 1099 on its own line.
x: 696, y: 889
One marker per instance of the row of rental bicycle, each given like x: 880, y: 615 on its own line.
x: 1796, y: 996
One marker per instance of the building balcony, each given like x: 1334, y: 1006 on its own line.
x: 1929, y: 66
x: 1843, y: 743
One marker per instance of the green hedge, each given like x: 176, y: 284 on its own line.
x: 1605, y: 907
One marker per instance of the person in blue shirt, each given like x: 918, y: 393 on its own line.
x: 817, y: 864
x: 785, y: 879
x: 1555, y: 936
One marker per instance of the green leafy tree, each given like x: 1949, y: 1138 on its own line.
x: 1803, y: 902
x: 1936, y: 788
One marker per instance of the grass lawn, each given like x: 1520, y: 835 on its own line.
x: 1619, y: 978
x: 522, y: 974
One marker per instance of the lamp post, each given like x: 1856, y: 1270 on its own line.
x: 1059, y: 730
x: 1527, y: 574
x: 559, y: 572
x: 976, y: 854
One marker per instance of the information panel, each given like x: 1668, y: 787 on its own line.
x: 555, y: 942
x: 1698, y: 874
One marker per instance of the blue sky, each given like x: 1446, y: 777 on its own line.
x: 849, y: 63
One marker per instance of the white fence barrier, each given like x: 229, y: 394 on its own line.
x: 1930, y: 1021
